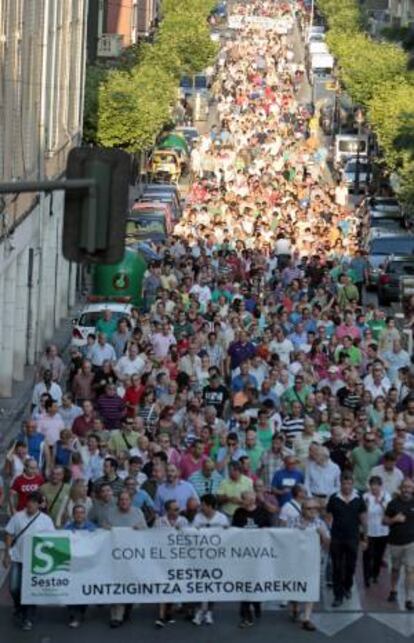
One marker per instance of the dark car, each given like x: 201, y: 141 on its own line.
x: 380, y: 248
x: 163, y: 197
x: 396, y: 269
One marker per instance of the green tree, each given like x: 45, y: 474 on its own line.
x: 95, y: 77
x: 365, y: 65
x: 135, y: 107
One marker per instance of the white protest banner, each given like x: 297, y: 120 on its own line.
x: 279, y: 25
x: 164, y: 565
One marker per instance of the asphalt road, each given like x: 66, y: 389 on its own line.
x: 341, y: 628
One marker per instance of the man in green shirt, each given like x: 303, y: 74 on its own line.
x: 347, y: 292
x: 296, y: 393
x: 377, y: 324
x: 354, y: 353
x: 106, y: 324
x: 230, y: 490
x: 254, y: 450
x: 364, y: 458
x: 123, y: 439
x: 56, y: 493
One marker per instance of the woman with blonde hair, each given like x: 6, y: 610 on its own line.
x: 78, y: 496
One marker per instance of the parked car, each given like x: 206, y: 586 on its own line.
x: 379, y: 247
x: 382, y: 214
x: 346, y: 147
x: 349, y: 173
x: 165, y: 165
x: 161, y: 196
x: 191, y: 134
x: 85, y: 322
x: 151, y: 221
x: 396, y: 268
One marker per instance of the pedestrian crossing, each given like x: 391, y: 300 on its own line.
x: 370, y: 603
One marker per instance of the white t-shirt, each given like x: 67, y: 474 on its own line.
x: 290, y: 512
x: 126, y: 366
x: 283, y: 349
x: 19, y: 522
x: 375, y: 514
x: 217, y: 520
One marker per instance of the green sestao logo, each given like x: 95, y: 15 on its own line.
x: 50, y: 554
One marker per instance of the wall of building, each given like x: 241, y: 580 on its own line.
x: 119, y: 20
x: 42, y: 61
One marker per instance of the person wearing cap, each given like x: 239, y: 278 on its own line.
x: 333, y: 380
x: 22, y: 525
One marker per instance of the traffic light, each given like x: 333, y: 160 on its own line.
x: 95, y: 215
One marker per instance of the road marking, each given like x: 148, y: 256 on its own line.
x: 403, y: 623
x: 330, y: 623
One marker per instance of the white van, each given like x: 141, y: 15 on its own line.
x: 316, y: 32
x: 320, y: 65
x: 317, y: 47
x: 346, y: 146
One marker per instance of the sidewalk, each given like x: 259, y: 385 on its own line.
x: 13, y: 410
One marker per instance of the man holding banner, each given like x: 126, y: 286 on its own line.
x: 23, y: 524
x: 250, y: 516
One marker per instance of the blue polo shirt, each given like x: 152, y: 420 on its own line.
x: 286, y: 479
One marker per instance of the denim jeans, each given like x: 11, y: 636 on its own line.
x: 15, y: 587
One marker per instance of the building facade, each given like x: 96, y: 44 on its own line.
x: 401, y: 13
x: 42, y: 67
x: 116, y: 24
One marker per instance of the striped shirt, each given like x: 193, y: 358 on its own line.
x: 292, y: 427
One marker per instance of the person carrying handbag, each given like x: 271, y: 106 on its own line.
x: 23, y: 523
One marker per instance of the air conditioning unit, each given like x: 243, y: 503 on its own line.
x: 110, y: 45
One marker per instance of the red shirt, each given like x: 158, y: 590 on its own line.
x: 133, y: 396
x: 82, y: 425
x: 23, y: 486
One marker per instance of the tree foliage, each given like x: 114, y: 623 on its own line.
x: 130, y: 104
x: 365, y: 65
x: 376, y: 75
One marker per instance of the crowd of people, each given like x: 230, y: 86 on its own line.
x: 254, y: 388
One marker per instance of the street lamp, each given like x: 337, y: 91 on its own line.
x: 359, y: 119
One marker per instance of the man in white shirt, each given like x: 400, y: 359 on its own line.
x: 21, y: 525
x: 46, y: 386
x: 377, y: 383
x: 102, y: 351
x: 208, y: 516
x: 292, y: 509
x: 333, y: 380
x: 161, y: 341
x: 322, y: 476
x: 130, y: 364
x: 282, y: 346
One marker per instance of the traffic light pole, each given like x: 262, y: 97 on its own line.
x: 96, y: 188
x: 73, y: 185
x: 46, y: 186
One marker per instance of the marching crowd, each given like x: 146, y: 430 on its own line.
x: 254, y: 388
